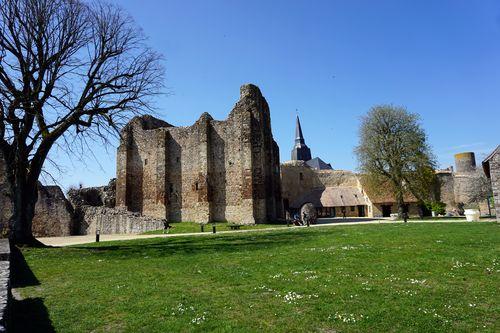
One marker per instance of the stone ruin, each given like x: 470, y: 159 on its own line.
x: 211, y: 171
x: 458, y: 185
x: 53, y: 212
x: 94, y: 209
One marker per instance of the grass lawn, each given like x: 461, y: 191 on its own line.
x: 190, y: 227
x: 429, y: 277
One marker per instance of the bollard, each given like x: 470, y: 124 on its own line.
x: 202, y: 227
x: 213, y: 228
x: 97, y: 234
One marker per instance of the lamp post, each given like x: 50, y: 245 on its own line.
x: 97, y: 235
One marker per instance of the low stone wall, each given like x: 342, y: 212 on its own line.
x: 4, y: 281
x: 114, y: 221
x: 53, y: 213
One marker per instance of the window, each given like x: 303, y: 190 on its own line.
x: 301, y: 176
x: 352, y: 208
x: 196, y: 186
x: 145, y: 161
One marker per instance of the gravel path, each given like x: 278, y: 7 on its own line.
x: 74, y: 240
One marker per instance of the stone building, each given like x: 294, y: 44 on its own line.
x: 461, y: 185
x: 340, y: 192
x: 491, y: 167
x: 332, y: 192
x: 336, y: 193
x: 211, y: 171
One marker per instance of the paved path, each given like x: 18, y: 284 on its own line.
x: 75, y: 240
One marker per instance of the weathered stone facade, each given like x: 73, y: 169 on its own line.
x: 491, y: 166
x: 210, y: 171
x: 332, y: 192
x: 114, y: 221
x: 457, y: 187
x: 298, y: 178
x: 53, y: 213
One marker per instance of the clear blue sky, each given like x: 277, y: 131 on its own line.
x: 331, y: 60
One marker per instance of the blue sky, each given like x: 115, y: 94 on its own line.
x: 331, y: 60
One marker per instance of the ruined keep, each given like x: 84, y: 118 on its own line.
x: 211, y: 171
x: 459, y: 186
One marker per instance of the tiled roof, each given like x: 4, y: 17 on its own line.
x: 318, y: 164
x: 331, y: 197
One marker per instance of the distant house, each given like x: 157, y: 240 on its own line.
x: 334, y: 193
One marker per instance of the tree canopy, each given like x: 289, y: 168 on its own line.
x: 393, y: 148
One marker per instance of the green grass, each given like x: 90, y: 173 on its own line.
x: 190, y: 227
x: 429, y: 277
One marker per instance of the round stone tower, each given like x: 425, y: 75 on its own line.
x: 465, y: 162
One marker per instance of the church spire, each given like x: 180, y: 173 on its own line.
x: 299, y: 138
x: 300, y: 151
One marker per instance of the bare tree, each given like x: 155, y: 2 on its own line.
x: 393, y: 152
x: 474, y: 188
x: 70, y: 71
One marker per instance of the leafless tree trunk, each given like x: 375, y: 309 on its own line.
x: 69, y: 72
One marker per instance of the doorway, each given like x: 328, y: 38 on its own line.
x: 386, y: 210
x: 361, y: 211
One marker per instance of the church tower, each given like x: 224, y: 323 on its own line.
x: 300, y: 151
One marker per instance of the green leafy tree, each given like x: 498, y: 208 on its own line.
x: 393, y: 150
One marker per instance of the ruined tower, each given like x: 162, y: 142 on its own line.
x: 300, y: 151
x: 465, y: 162
x: 211, y: 171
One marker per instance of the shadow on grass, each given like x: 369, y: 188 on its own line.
x: 30, y: 314
x: 21, y: 274
x: 194, y: 245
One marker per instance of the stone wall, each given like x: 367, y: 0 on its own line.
x: 210, y: 171
x: 4, y: 282
x: 114, y: 221
x: 94, y: 196
x: 297, y: 178
x: 53, y: 213
x: 494, y: 168
x: 457, y: 188
x: 446, y: 189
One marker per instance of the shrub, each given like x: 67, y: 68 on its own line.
x: 436, y: 206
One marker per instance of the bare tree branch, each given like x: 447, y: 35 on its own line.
x: 70, y: 71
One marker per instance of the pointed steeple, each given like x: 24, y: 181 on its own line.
x: 299, y: 138
x: 300, y: 151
